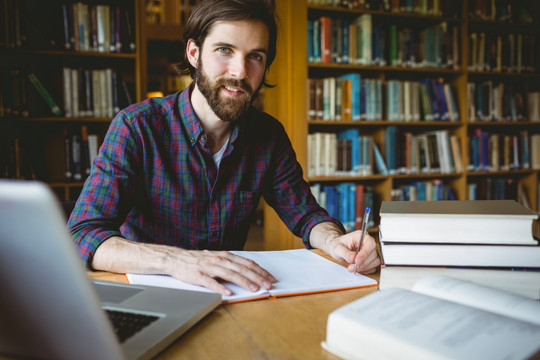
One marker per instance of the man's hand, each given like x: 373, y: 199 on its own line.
x: 343, y: 247
x: 204, y: 267
x: 198, y: 267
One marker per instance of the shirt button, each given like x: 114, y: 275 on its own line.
x: 213, y: 234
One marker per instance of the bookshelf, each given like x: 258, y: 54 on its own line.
x: 89, y: 75
x: 162, y: 46
x: 33, y: 40
x: 292, y: 100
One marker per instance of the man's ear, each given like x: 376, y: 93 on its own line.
x: 192, y: 52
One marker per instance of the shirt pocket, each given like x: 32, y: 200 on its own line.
x: 245, y: 204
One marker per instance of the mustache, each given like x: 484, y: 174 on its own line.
x: 235, y: 83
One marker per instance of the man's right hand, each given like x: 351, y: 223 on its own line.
x: 199, y: 267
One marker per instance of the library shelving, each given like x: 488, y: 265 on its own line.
x: 481, y: 55
x: 162, y: 45
x: 67, y: 67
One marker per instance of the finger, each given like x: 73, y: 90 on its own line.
x: 215, y: 286
x: 240, y: 278
x: 368, y: 264
x: 251, y: 266
x: 248, y: 269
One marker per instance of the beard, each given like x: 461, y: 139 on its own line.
x: 228, y: 109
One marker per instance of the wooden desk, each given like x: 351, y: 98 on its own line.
x: 284, y: 328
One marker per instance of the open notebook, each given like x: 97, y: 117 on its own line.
x: 297, y: 272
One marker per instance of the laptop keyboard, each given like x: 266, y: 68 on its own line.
x: 127, y: 324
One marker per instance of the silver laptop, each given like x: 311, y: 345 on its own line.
x: 50, y: 309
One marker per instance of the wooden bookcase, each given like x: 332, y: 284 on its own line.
x: 288, y: 102
x: 32, y: 137
x: 32, y: 144
x: 162, y: 45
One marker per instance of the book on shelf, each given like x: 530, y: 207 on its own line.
x: 45, y: 95
x: 440, y: 318
x: 17, y: 162
x: 501, y: 52
x: 430, y: 190
x: 97, y: 28
x: 287, y: 266
x: 92, y: 93
x: 80, y: 150
x: 346, y: 153
x: 533, y: 106
x: 503, y: 222
x: 363, y: 40
x: 521, y: 281
x: 493, y: 188
x: 346, y: 202
x: 535, y: 151
x: 491, y: 151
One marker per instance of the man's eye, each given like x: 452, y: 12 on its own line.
x: 223, y: 50
x: 256, y: 57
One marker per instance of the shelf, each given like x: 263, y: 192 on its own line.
x: 66, y: 53
x: 164, y: 32
x: 375, y: 68
x: 66, y: 119
x: 385, y: 123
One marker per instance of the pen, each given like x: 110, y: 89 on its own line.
x: 364, y: 226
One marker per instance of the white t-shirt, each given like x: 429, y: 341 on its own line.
x: 217, y: 156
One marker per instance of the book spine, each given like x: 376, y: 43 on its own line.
x: 44, y: 94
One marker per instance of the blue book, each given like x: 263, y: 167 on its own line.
x: 390, y: 152
x: 345, y: 43
x: 433, y: 97
x: 485, y: 153
x: 331, y: 201
x: 317, y: 41
x: 343, y: 190
x: 420, y: 191
x: 379, y: 160
x: 351, y: 215
x: 445, y: 114
x: 311, y: 53
x: 525, y: 157
x: 363, y: 111
x: 378, y: 100
x: 475, y: 154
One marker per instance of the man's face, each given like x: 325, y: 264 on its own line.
x: 231, y: 66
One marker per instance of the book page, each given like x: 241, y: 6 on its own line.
x: 302, y: 271
x: 239, y: 293
x: 482, y: 297
x: 398, y: 323
x: 297, y: 272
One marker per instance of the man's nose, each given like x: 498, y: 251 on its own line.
x: 237, y: 67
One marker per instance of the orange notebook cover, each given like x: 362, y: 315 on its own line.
x: 297, y: 272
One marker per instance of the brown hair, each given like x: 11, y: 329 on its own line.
x: 207, y: 12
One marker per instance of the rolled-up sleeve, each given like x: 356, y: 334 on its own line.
x: 107, y: 194
x: 289, y: 194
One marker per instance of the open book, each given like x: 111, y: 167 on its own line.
x: 297, y: 272
x: 441, y: 318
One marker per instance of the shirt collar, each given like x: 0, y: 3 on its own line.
x: 188, y: 117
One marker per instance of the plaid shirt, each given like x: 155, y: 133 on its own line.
x: 154, y: 181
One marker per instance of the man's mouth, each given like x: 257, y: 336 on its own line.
x: 232, y: 89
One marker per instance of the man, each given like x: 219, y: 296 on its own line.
x: 179, y: 177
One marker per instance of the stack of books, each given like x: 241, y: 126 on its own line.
x: 486, y: 241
